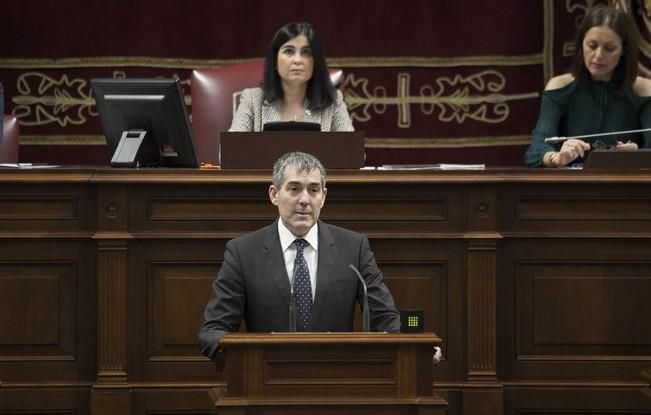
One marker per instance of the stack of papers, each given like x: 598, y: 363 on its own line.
x: 441, y: 166
x: 26, y: 166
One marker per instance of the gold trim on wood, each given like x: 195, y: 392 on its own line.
x: 117, y: 61
x: 185, y: 63
x: 406, y: 143
x: 448, y: 142
x: 478, y: 97
x: 438, y: 62
x: 63, y: 140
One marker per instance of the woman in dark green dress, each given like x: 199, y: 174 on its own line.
x: 602, y: 94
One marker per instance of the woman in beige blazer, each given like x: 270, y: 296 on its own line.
x: 296, y: 86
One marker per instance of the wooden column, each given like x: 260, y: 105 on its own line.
x: 483, y: 395
x: 481, y: 312
x: 112, y: 311
x: 111, y: 393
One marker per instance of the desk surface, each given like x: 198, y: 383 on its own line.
x: 536, y: 280
x: 148, y: 175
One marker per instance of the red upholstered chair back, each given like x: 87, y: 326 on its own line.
x: 215, y: 94
x: 9, y: 145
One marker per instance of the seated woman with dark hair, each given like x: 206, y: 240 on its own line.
x: 296, y: 86
x: 602, y: 94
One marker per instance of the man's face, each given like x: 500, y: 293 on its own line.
x: 299, y: 199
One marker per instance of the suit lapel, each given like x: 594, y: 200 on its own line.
x: 274, y: 261
x: 326, y: 268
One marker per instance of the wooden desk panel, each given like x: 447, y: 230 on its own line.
x: 537, y: 281
x: 47, y: 310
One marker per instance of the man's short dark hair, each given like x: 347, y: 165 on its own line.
x: 302, y: 162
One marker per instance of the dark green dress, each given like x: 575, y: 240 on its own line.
x: 595, y: 108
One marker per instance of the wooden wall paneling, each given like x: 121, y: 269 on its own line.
x: 482, y: 399
x: 425, y: 274
x: 109, y: 401
x: 228, y: 209
x: 32, y: 399
x: 577, y: 312
x: 47, y: 294
x: 505, y: 295
x: 47, y: 209
x: 399, y: 209
x: 174, y: 400
x: 38, y: 314
x: 535, y: 280
x: 575, y: 207
x: 171, y: 284
x: 572, y: 399
x: 46, y: 311
x: 572, y: 267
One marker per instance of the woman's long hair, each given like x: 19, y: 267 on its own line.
x: 320, y: 91
x: 621, y: 23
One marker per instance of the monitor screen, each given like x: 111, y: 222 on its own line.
x: 291, y: 126
x: 145, y: 122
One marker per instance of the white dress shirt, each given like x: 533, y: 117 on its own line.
x: 310, y: 252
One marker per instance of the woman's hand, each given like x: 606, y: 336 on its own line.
x: 627, y: 146
x: 571, y: 150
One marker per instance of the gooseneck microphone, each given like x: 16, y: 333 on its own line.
x: 292, y: 307
x: 366, y: 318
x: 561, y: 139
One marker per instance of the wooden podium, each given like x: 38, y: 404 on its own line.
x: 328, y: 373
x: 619, y: 159
x: 259, y: 150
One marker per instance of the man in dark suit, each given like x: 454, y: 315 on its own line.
x: 262, y: 268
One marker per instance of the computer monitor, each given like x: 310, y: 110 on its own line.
x: 291, y: 126
x: 145, y: 122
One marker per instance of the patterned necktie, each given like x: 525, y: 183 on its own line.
x: 302, y: 288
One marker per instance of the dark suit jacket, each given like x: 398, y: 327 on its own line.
x: 253, y: 285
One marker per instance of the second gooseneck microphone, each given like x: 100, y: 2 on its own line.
x: 549, y: 140
x: 366, y: 318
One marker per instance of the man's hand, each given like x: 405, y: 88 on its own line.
x: 437, y: 355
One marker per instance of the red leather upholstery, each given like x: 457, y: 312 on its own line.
x: 215, y: 93
x: 9, y: 145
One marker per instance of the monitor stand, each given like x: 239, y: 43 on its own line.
x: 134, y: 151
